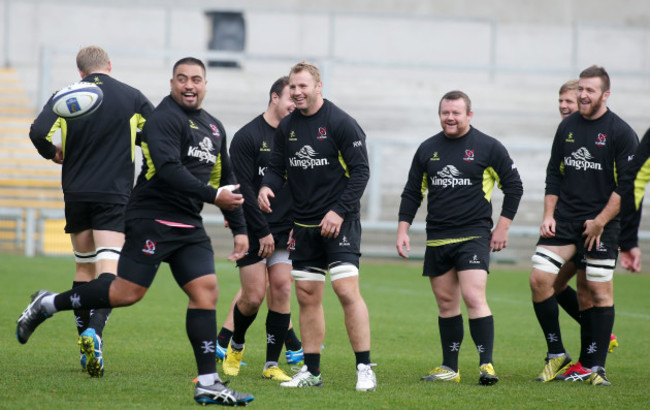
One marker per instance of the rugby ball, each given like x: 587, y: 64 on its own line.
x: 77, y: 100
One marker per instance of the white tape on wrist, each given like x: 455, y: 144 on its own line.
x: 228, y: 187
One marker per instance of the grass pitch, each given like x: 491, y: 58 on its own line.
x: 149, y: 362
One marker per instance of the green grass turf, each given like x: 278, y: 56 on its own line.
x: 149, y: 362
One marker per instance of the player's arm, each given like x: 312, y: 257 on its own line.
x: 412, y: 196
x: 631, y: 259
x: 240, y: 247
x: 142, y: 112
x: 594, y: 227
x: 243, y: 157
x: 513, y: 189
x: 554, y: 176
x: 233, y: 212
x: 403, y: 240
x: 625, y: 146
x: 631, y: 188
x: 274, y: 178
x: 499, y: 236
x: 351, y: 142
x: 162, y: 146
x: 547, y: 229
x: 42, y: 130
x: 144, y: 109
x: 554, y: 169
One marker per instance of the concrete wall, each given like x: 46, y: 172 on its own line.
x: 530, y: 33
x: 146, y: 34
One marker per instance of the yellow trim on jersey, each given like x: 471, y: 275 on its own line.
x: 344, y: 165
x: 58, y: 124
x: 215, y: 174
x: 489, y: 178
x: 146, y: 155
x: 55, y: 126
x: 562, y: 168
x: 307, y: 226
x: 640, y: 181
x: 136, y: 122
x: 425, y: 186
x: 441, y: 242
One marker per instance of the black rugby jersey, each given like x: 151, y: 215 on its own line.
x: 586, y: 159
x: 325, y: 159
x: 631, y: 188
x: 98, y: 150
x: 185, y: 161
x: 250, y: 151
x: 460, y: 174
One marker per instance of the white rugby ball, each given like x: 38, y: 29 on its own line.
x: 77, y: 100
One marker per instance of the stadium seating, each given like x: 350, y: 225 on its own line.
x: 26, y: 179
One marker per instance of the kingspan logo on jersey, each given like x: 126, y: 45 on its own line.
x: 305, y: 159
x: 449, y: 176
x: 580, y: 160
x: 204, y: 151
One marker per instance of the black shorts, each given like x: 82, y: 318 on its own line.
x: 252, y: 256
x: 466, y: 255
x: 148, y: 243
x: 570, y: 233
x: 99, y: 216
x: 310, y: 249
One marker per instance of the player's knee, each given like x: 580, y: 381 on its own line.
x: 475, y: 300
x: 136, y: 294
x: 447, y: 297
x: 547, y: 261
x: 445, y: 302
x: 128, y: 299
x: 559, y: 287
x: 561, y: 281
x: 601, y: 298
x: 250, y: 301
x: 585, y: 299
x: 345, y: 282
x: 122, y: 292
x: 210, y: 293
x: 541, y: 283
x: 281, y: 291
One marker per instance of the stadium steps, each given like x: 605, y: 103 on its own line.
x: 26, y: 179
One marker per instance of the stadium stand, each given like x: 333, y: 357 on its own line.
x: 27, y: 181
